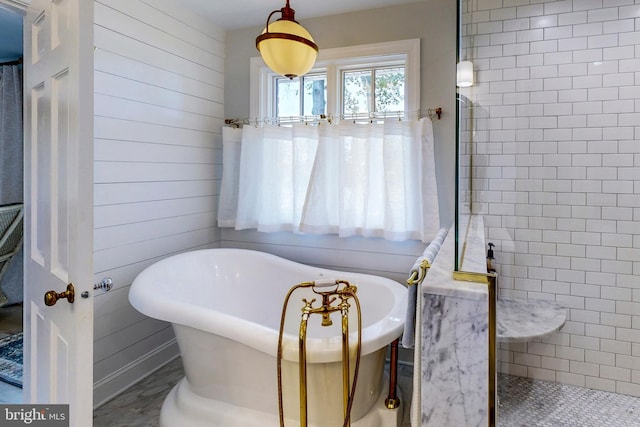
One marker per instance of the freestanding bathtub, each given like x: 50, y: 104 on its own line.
x: 225, y: 307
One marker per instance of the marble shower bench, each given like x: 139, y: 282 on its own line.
x: 454, y: 346
x: 526, y: 320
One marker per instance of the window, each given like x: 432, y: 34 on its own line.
x: 359, y: 80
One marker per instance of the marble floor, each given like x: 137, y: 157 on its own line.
x: 523, y: 403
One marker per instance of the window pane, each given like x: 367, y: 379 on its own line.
x: 357, y: 92
x: 389, y: 90
x: 315, y: 95
x: 288, y: 97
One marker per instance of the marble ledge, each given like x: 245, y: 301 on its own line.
x: 526, y: 320
x: 439, y: 280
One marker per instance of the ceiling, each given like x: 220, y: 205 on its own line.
x: 249, y: 13
x: 228, y: 15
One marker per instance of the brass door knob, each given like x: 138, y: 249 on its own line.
x: 51, y: 297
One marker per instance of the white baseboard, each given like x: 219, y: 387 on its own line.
x: 114, y: 384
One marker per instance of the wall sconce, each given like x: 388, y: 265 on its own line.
x: 464, y: 74
x: 286, y: 46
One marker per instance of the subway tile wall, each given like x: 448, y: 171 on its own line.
x: 556, y: 121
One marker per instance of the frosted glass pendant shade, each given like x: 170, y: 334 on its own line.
x: 286, y: 46
x: 464, y: 74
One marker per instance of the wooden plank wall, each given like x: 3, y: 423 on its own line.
x: 159, y: 77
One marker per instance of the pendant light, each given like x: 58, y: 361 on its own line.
x: 286, y: 46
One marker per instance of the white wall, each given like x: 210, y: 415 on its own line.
x: 558, y: 173
x: 158, y: 117
x: 434, y: 22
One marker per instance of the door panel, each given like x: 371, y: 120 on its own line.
x: 58, y: 70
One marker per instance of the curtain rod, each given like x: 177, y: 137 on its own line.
x: 432, y: 113
x: 14, y: 62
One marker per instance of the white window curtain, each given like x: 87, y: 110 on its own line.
x: 349, y: 179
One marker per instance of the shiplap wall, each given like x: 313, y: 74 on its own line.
x: 159, y: 78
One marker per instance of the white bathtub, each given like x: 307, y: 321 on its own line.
x: 225, y: 307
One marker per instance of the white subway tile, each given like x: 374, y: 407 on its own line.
x: 628, y: 388
x: 616, y: 293
x: 526, y: 359
x: 568, y: 44
x: 574, y: 121
x: 593, y: 212
x: 572, y: 353
x: 629, y: 38
x: 544, y: 46
x: 600, y: 384
x: 558, y: 135
x: 612, y: 319
x: 488, y: 4
x: 621, y: 52
x: 557, y: 58
x: 554, y: 7
x: 631, y: 308
x: 530, y: 60
x: 587, y: 4
x: 585, y: 264
x: 606, y: 67
x: 490, y: 27
x: 600, y: 357
x: 579, y: 69
x: 618, y: 79
x: 554, y: 261
x: 603, y: 146
x: 620, y: 106
x: 600, y: 304
x: 584, y: 368
x: 541, y: 273
x: 622, y: 267
x: 516, y: 24
x: 570, y: 379
x: 586, y: 160
x: 574, y: 277
x: 502, y: 13
x: 572, y: 173
x: 543, y: 71
x: 554, y: 363
x: 615, y: 213
x: 629, y: 12
x: 517, y: 73
x: 587, y: 55
x: 607, y: 93
x: 584, y: 316
x: 613, y: 373
x: 617, y: 240
x: 599, y: 331
x: 628, y: 362
x: 592, y: 29
x: 602, y: 120
x: 571, y: 224
x: 498, y: 63
x: 572, y: 18
x: 573, y: 95
x: 531, y: 10
x: 599, y: 252
x: 541, y: 374
x: 618, y: 347
x: 618, y: 26
x: 607, y: 14
x: 588, y: 134
x: 593, y: 188
x: 515, y: 49
x: 629, y: 65
x: 544, y: 21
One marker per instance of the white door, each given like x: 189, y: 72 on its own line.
x: 58, y: 77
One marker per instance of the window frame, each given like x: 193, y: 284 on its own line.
x: 334, y: 61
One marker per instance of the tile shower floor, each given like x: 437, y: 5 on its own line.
x: 523, y: 403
